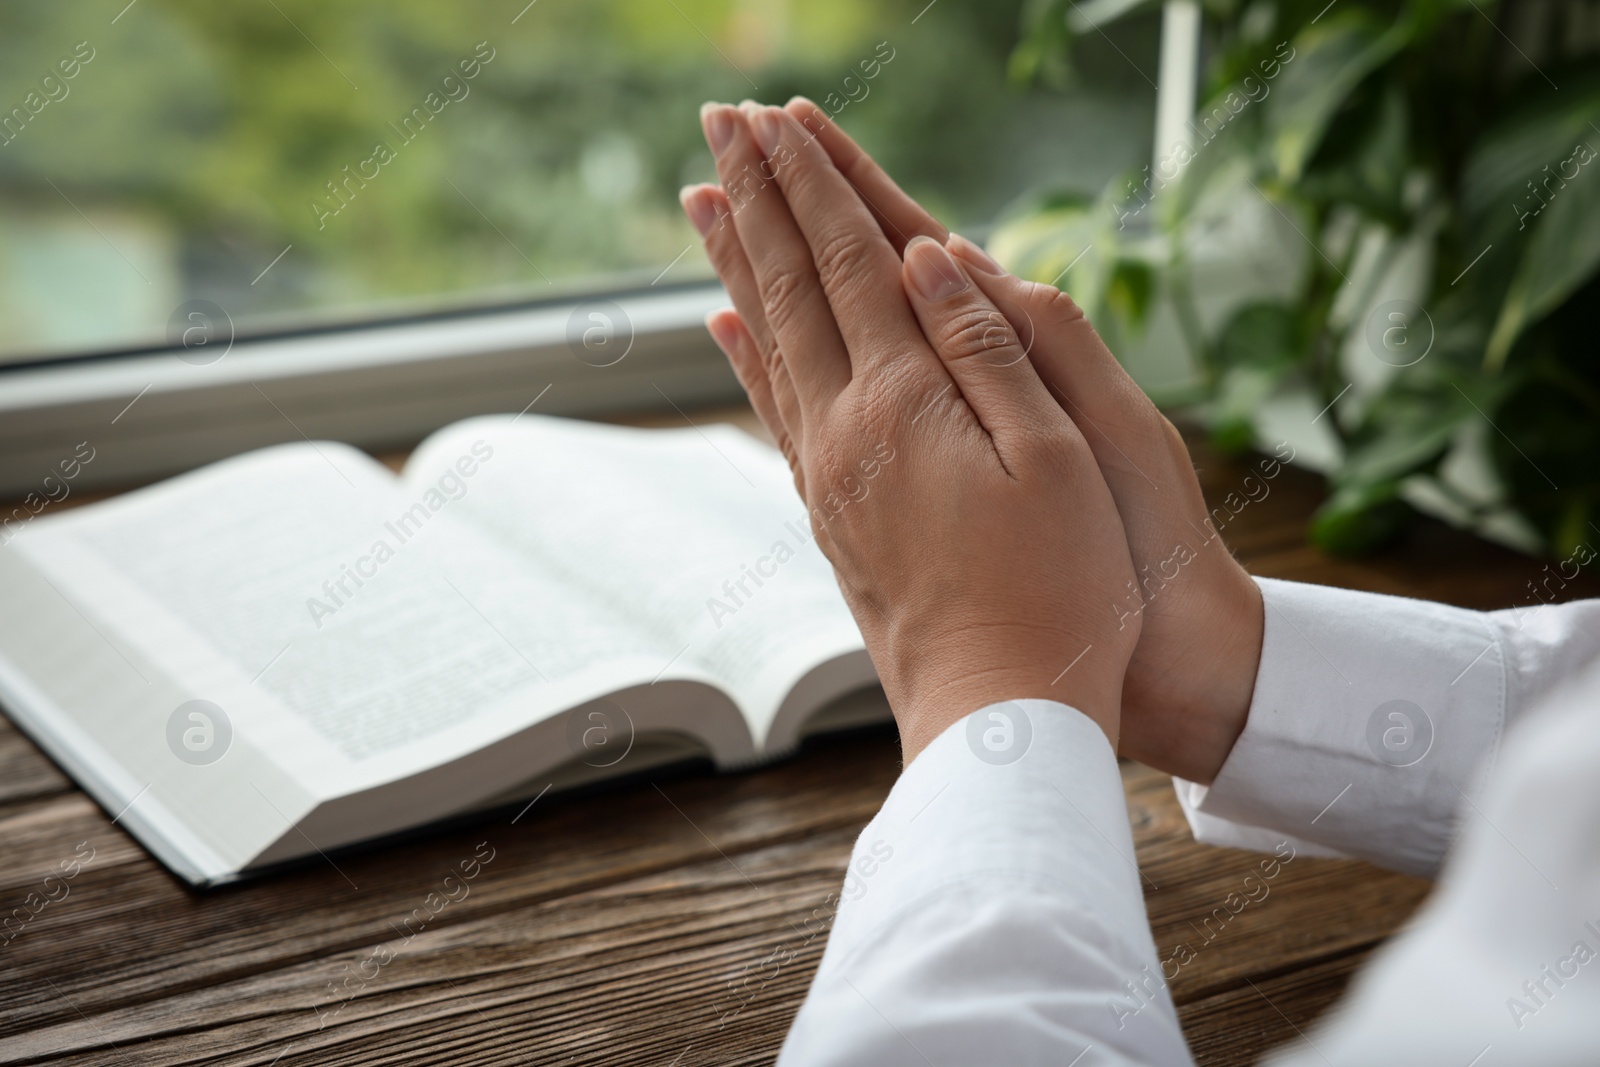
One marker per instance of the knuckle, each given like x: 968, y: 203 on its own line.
x: 838, y: 255
x: 973, y: 332
x: 780, y: 295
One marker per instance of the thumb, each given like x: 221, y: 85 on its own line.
x: 1140, y: 453
x: 977, y: 345
x: 1072, y: 361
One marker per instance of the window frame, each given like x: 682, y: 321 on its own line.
x: 380, y: 384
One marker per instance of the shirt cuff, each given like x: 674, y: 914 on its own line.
x: 1014, y: 813
x: 1374, y: 719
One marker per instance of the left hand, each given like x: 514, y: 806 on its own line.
x: 971, y: 532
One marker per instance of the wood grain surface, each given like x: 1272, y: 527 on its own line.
x: 674, y: 922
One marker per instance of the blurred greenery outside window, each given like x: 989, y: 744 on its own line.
x: 298, y: 162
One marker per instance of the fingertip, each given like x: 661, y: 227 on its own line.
x: 973, y: 255
x: 933, y: 273
x: 767, y: 123
x: 699, y: 206
x: 727, y: 329
x: 719, y: 200
x: 808, y: 115
x: 716, y: 121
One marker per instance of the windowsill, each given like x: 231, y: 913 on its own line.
x: 382, y: 386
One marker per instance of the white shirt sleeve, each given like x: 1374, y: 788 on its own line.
x: 1502, y: 965
x: 992, y: 912
x: 1377, y: 720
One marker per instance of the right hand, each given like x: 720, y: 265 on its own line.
x: 1188, y: 686
x: 970, y: 529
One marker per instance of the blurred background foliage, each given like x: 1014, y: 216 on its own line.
x: 1427, y: 159
x: 191, y: 146
x: 1412, y: 154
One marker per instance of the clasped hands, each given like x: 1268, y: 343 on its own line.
x: 1006, y: 552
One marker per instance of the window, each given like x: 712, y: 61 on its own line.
x: 286, y: 167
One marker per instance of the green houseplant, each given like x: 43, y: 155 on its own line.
x: 1407, y: 141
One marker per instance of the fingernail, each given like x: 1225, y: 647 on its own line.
x: 720, y: 325
x: 933, y: 272
x: 697, y: 205
x: 767, y: 125
x: 717, y: 121
x: 974, y: 255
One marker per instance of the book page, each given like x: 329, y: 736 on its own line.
x: 354, y: 629
x: 695, y: 535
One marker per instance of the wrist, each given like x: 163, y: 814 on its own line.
x: 1190, y: 713
x: 931, y: 701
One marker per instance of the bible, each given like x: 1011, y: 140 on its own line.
x: 297, y: 649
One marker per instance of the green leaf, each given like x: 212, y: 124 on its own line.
x: 1547, y: 436
x: 1574, y: 527
x: 1043, y: 52
x: 1042, y: 245
x: 1561, y: 253
x: 1130, y: 292
x: 1215, y: 176
x: 1526, y: 257
x: 1241, y: 390
x: 1355, y: 521
x: 1365, y: 157
x: 1506, y: 159
x: 1075, y: 244
x: 1330, y: 59
x: 1262, y: 334
x: 1233, y: 435
x: 1404, y: 430
x: 1382, y: 113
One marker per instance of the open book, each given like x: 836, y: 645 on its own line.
x: 295, y: 649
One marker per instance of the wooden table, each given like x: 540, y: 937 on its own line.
x: 658, y: 923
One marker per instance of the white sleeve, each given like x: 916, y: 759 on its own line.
x: 1502, y: 965
x: 1376, y: 719
x: 992, y: 912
